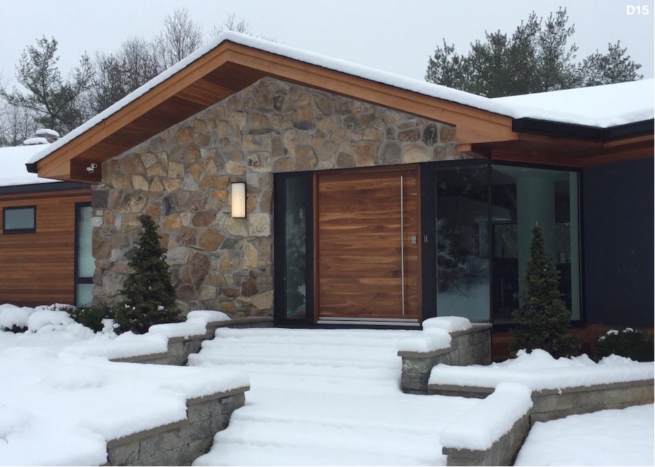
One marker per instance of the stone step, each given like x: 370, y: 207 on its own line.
x: 389, y: 446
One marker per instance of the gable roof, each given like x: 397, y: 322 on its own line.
x: 234, y: 61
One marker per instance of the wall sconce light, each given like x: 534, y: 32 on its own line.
x: 239, y: 200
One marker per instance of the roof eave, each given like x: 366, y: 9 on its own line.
x: 583, y: 132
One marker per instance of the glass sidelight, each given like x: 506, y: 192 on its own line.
x: 84, y: 262
x: 293, y: 247
x: 462, y: 235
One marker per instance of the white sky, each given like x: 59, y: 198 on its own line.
x: 396, y: 36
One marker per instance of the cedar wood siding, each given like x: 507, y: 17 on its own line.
x: 38, y: 268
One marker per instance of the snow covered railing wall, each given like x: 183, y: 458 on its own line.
x: 446, y: 340
x: 493, y: 431
x: 187, y: 337
x: 560, y: 387
x: 182, y: 442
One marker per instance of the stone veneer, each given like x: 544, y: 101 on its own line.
x: 182, y: 176
x: 182, y: 442
x: 469, y: 347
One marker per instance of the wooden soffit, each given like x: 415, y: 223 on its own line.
x: 228, y: 69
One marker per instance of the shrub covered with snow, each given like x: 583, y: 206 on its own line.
x: 92, y: 316
x: 13, y: 318
x: 631, y: 343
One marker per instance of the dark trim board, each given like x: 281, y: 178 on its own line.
x: 570, y: 130
x: 42, y: 187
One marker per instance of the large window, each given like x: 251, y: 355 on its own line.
x: 85, y: 264
x: 483, y: 226
x: 17, y: 220
x: 522, y: 198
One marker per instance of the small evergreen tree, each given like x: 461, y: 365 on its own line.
x: 149, y: 296
x: 542, y: 319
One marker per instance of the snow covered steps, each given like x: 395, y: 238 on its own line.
x: 324, y: 397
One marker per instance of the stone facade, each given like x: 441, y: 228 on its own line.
x: 182, y: 177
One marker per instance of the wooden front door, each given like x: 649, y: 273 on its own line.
x: 367, y: 244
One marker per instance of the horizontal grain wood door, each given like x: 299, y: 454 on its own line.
x: 360, y: 263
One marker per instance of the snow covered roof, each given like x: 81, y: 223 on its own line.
x: 632, y: 103
x: 597, y: 106
x: 12, y: 166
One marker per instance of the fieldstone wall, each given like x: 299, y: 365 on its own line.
x: 182, y: 177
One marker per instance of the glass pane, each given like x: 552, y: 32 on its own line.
x: 522, y: 198
x: 463, y: 242
x: 85, y: 262
x: 19, y: 219
x: 297, y: 204
x: 84, y: 295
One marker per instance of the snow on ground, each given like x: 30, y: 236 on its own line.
x: 59, y: 409
x: 324, y: 397
x: 539, y: 370
x: 609, y: 437
x: 55, y: 330
x: 61, y: 399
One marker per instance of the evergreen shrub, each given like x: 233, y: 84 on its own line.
x: 631, y: 343
x: 543, y: 321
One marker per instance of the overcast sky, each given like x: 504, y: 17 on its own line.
x: 396, y: 36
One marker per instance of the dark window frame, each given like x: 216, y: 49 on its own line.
x: 77, y: 280
x: 6, y: 231
x: 279, y: 250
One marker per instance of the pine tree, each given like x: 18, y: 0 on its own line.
x: 149, y: 296
x: 543, y: 319
x: 57, y: 101
x: 538, y: 56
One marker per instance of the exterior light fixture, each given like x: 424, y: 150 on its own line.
x: 239, y: 200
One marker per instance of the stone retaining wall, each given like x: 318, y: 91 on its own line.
x: 502, y: 452
x: 553, y: 404
x: 470, y: 347
x: 179, y: 348
x: 182, y: 442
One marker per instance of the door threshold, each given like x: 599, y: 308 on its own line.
x: 369, y: 322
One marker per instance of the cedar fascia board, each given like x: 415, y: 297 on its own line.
x: 499, y: 127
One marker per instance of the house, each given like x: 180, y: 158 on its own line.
x: 45, y: 241
x: 329, y: 194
